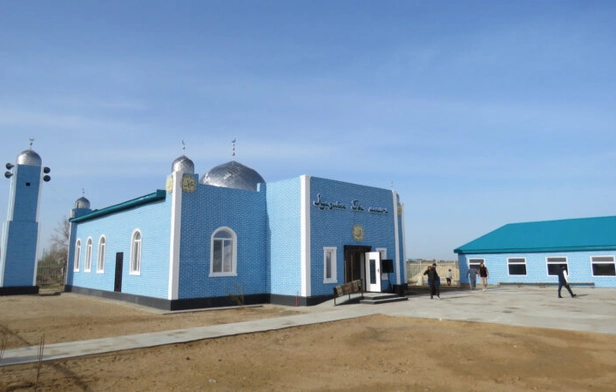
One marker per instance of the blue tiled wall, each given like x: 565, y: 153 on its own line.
x: 153, y: 220
x: 579, y: 267
x: 20, y: 256
x: 284, y: 232
x: 333, y: 227
x: 205, y: 211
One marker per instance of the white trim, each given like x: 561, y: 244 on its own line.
x: 333, y: 264
x: 77, y: 256
x: 592, y: 263
x: 233, y: 271
x: 383, y: 253
x: 305, y: 235
x: 559, y: 263
x: 174, y: 241
x: 132, y: 271
x: 398, y: 258
x: 101, y: 241
x: 87, y: 265
x: 517, y: 263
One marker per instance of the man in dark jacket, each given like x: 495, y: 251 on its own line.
x: 563, y: 280
x: 433, y: 281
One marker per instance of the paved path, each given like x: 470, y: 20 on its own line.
x: 594, y: 310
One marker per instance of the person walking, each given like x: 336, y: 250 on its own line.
x: 472, y: 274
x: 433, y: 281
x: 563, y: 280
x: 448, y: 277
x: 484, y: 274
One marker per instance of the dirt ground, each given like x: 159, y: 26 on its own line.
x: 374, y: 353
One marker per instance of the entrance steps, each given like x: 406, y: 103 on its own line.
x: 381, y: 298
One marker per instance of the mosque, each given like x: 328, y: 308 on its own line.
x: 226, y: 238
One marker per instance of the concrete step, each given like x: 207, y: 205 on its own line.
x: 382, y: 299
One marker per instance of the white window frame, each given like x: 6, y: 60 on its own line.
x: 330, y: 254
x: 475, y: 262
x: 383, y: 252
x: 77, y: 259
x: 555, y: 260
x: 593, y: 262
x: 516, y: 261
x: 87, y: 265
x: 136, y: 247
x: 100, y: 260
x: 233, y: 262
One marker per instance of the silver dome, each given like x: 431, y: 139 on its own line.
x: 183, y: 164
x: 233, y: 175
x: 29, y: 158
x: 82, y: 202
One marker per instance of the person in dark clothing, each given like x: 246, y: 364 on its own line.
x: 433, y: 281
x: 563, y: 280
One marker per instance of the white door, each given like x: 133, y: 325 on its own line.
x: 373, y: 272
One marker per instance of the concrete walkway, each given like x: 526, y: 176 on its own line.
x: 594, y: 310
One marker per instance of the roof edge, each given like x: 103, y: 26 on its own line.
x: 146, y: 199
x: 536, y: 250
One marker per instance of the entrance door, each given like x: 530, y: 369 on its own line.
x: 117, y: 286
x: 373, y: 272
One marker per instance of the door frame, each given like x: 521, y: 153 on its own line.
x: 372, y: 265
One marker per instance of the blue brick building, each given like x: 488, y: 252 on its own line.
x: 532, y: 252
x: 230, y: 236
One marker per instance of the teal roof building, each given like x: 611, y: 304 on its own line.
x: 532, y: 252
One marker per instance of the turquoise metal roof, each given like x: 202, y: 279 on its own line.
x: 150, y: 198
x: 580, y: 234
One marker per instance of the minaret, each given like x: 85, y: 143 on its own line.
x: 20, y: 231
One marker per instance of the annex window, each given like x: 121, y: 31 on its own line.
x: 554, y: 263
x: 100, y: 261
x: 88, y: 262
x: 475, y: 263
x: 223, y: 258
x: 329, y: 265
x: 76, y: 265
x: 603, y: 266
x: 135, y: 253
x: 516, y: 265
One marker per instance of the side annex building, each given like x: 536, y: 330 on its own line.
x: 531, y: 253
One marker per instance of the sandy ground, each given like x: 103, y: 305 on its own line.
x: 373, y: 353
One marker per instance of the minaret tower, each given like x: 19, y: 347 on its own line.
x: 20, y: 231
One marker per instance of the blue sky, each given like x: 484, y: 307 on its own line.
x: 479, y: 113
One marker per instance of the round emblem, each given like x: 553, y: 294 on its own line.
x: 169, y: 185
x: 358, y: 233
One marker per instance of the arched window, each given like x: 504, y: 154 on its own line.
x: 77, y: 255
x: 135, y: 253
x: 88, y: 264
x: 100, y: 262
x: 223, y: 259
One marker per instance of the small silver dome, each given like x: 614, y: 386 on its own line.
x: 183, y: 164
x: 82, y: 202
x: 29, y: 158
x: 233, y: 175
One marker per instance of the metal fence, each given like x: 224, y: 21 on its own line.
x: 415, y: 271
x: 49, y: 275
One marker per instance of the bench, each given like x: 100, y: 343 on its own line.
x: 349, y: 288
x: 545, y: 284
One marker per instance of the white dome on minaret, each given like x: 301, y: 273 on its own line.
x: 29, y: 158
x: 183, y: 165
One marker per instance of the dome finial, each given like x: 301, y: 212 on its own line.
x: 31, y: 141
x: 183, y: 146
x: 233, y: 149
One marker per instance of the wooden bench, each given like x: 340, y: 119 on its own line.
x: 349, y: 288
x: 545, y: 284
